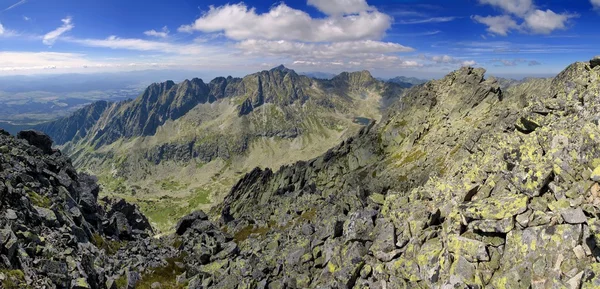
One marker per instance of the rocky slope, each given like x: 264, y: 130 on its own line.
x: 55, y: 233
x: 460, y: 185
x: 191, y: 141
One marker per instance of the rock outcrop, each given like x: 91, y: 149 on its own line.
x: 54, y: 233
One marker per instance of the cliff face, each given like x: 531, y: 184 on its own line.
x: 76, y: 126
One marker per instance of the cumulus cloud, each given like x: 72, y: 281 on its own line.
x: 340, y: 7
x: 534, y: 21
x: 442, y: 59
x: 51, y: 37
x: 239, y: 22
x: 544, y: 22
x: 163, y: 33
x: 446, y: 61
x: 500, y: 25
x: 1, y: 29
x: 517, y: 7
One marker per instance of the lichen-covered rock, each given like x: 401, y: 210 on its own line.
x: 464, y: 184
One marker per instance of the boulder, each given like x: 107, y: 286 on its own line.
x: 187, y: 221
x: 130, y: 214
x: 574, y: 216
x: 595, y: 61
x: 37, y: 139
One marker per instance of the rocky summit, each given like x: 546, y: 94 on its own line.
x: 462, y: 184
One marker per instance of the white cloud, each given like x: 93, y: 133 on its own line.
x: 427, y: 20
x: 500, y: 25
x: 52, y: 36
x: 535, y: 21
x: 26, y: 18
x: 239, y: 22
x: 595, y: 3
x: 544, y: 22
x: 442, y: 59
x: 319, y: 50
x: 340, y: 7
x: 1, y: 29
x: 379, y: 62
x: 114, y: 42
x: 517, y: 7
x: 446, y: 61
x: 15, y: 5
x: 16, y: 60
x: 163, y: 33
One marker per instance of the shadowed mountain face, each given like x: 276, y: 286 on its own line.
x: 179, y: 139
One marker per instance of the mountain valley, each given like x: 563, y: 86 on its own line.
x: 180, y: 147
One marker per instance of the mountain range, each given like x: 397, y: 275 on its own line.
x: 192, y: 140
x: 460, y: 184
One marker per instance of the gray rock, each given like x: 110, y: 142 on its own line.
x: 187, y: 221
x: 37, y: 139
x: 574, y: 216
x: 47, y: 215
x: 595, y: 61
x: 11, y: 214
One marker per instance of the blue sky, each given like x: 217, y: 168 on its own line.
x: 396, y: 37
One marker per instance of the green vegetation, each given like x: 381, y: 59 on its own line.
x: 39, y: 200
x: 165, y: 276
x: 246, y: 232
x: 121, y: 282
x: 171, y: 185
x: 199, y: 197
x: 109, y: 246
x: 110, y: 184
x: 164, y: 211
x: 14, y: 279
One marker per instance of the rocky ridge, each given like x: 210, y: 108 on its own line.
x: 461, y: 185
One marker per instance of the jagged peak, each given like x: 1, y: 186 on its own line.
x: 282, y: 68
x: 467, y: 74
